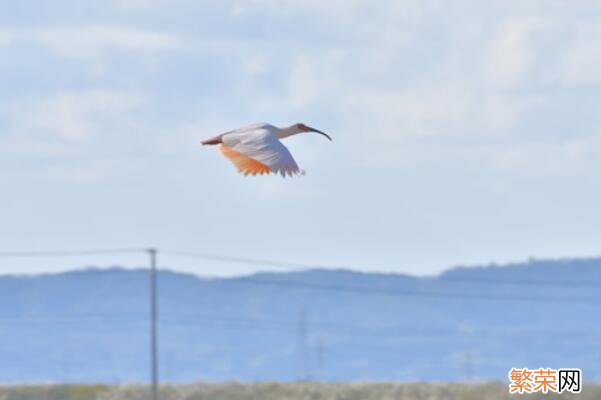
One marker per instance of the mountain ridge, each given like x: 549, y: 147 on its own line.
x: 92, y: 325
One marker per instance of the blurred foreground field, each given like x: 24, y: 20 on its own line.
x: 290, y: 391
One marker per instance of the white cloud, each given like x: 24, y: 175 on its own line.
x: 92, y: 43
x: 441, y: 100
x: 136, y: 4
x: 254, y: 64
x: 582, y: 61
x: 6, y: 38
x: 511, y: 53
x: 530, y: 158
x: 304, y: 83
x: 69, y: 135
x: 416, y: 78
x: 74, y: 117
x: 431, y: 88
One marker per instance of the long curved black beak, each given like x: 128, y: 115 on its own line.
x: 320, y: 132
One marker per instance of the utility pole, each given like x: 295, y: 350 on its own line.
x: 154, y: 373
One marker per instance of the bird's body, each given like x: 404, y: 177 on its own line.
x: 256, y: 149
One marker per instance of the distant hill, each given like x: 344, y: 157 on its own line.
x: 468, y: 323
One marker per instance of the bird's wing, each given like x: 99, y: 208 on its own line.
x: 258, y: 151
x: 251, y: 128
x: 245, y: 165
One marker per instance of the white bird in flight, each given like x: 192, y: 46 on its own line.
x: 256, y: 149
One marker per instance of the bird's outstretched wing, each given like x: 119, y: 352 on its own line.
x: 258, y: 151
x: 245, y: 165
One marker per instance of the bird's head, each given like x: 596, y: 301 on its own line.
x: 304, y: 128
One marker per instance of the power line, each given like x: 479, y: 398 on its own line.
x: 68, y: 253
x: 152, y: 253
x: 397, y: 292
x: 362, y: 289
x: 442, y: 279
x: 520, y: 282
x: 238, y: 260
x: 282, y: 265
x: 289, y: 326
x: 333, y: 287
x: 304, y: 285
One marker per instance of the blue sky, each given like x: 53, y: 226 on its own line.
x: 464, y: 132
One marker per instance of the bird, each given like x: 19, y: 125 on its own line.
x: 256, y: 149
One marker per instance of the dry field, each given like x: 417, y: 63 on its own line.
x: 283, y: 391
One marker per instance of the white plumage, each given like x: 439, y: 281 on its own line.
x: 256, y: 149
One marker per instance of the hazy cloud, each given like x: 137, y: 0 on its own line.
x: 433, y: 106
x: 93, y: 43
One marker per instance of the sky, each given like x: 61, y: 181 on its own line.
x: 464, y: 132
